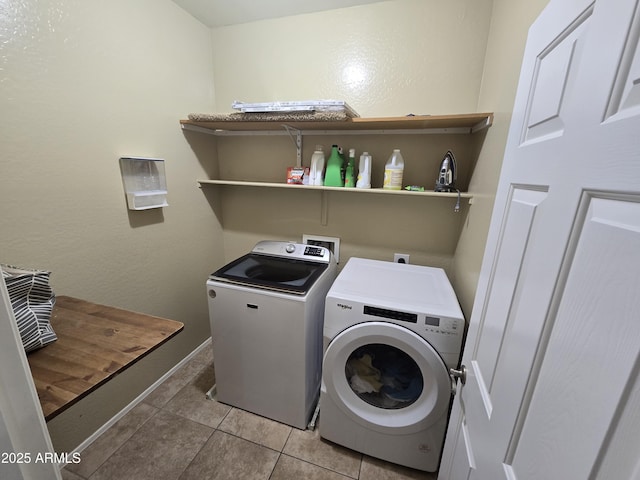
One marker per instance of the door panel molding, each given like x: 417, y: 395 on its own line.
x: 625, y: 95
x: 551, y: 75
x: 586, y: 287
x: 518, y: 224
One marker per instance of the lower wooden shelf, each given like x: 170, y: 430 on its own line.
x: 428, y: 193
x: 95, y: 343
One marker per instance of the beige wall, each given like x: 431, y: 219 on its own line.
x: 509, y: 27
x: 412, y: 56
x: 82, y: 83
x: 385, y: 59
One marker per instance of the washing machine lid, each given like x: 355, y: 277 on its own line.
x: 361, y: 389
x: 270, y: 272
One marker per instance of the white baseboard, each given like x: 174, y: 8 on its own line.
x: 137, y: 400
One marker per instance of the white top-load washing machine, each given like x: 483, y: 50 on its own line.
x: 391, y: 333
x: 266, y: 310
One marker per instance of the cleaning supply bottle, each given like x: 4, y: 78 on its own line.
x: 364, y: 171
x: 334, y: 176
x: 350, y: 172
x: 316, y: 169
x: 393, y: 171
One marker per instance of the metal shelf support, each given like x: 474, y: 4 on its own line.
x: 297, y: 141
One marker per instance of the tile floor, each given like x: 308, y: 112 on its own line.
x: 177, y: 433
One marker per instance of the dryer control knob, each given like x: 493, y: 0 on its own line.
x: 290, y: 248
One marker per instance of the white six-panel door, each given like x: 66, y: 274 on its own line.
x: 23, y: 431
x: 553, y: 348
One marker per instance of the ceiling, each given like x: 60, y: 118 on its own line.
x: 219, y: 13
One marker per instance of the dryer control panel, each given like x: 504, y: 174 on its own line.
x: 418, y: 298
x: 445, y: 326
x: 432, y: 324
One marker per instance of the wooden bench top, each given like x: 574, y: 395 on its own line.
x: 95, y: 343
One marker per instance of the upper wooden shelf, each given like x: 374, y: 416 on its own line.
x: 461, y: 122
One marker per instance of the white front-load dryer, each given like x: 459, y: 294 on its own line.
x: 391, y: 333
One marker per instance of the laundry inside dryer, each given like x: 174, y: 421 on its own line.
x: 384, y: 376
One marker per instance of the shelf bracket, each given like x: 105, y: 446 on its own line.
x: 481, y: 125
x: 324, y: 208
x: 297, y: 141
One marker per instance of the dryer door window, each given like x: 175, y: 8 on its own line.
x: 384, y: 376
x: 402, y: 385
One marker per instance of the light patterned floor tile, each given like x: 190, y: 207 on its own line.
x: 67, y: 475
x: 204, y: 356
x: 226, y: 457
x: 106, y: 444
x: 255, y: 428
x: 191, y: 402
x: 162, y: 448
x: 289, y: 468
x: 160, y: 396
x: 179, y: 441
x: 308, y: 446
x: 374, y: 469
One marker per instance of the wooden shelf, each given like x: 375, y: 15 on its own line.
x: 95, y: 343
x: 461, y: 123
x: 422, y: 124
x: 239, y: 183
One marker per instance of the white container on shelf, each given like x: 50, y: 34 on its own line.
x: 393, y: 171
x: 316, y: 173
x: 364, y: 171
x: 144, y: 181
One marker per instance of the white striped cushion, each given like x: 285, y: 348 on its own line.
x: 32, y: 301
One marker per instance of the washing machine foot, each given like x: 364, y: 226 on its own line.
x: 211, y: 394
x: 314, y: 418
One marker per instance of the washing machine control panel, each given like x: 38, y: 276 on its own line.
x: 314, y: 251
x: 299, y: 251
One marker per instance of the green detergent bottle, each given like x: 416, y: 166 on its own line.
x: 334, y: 176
